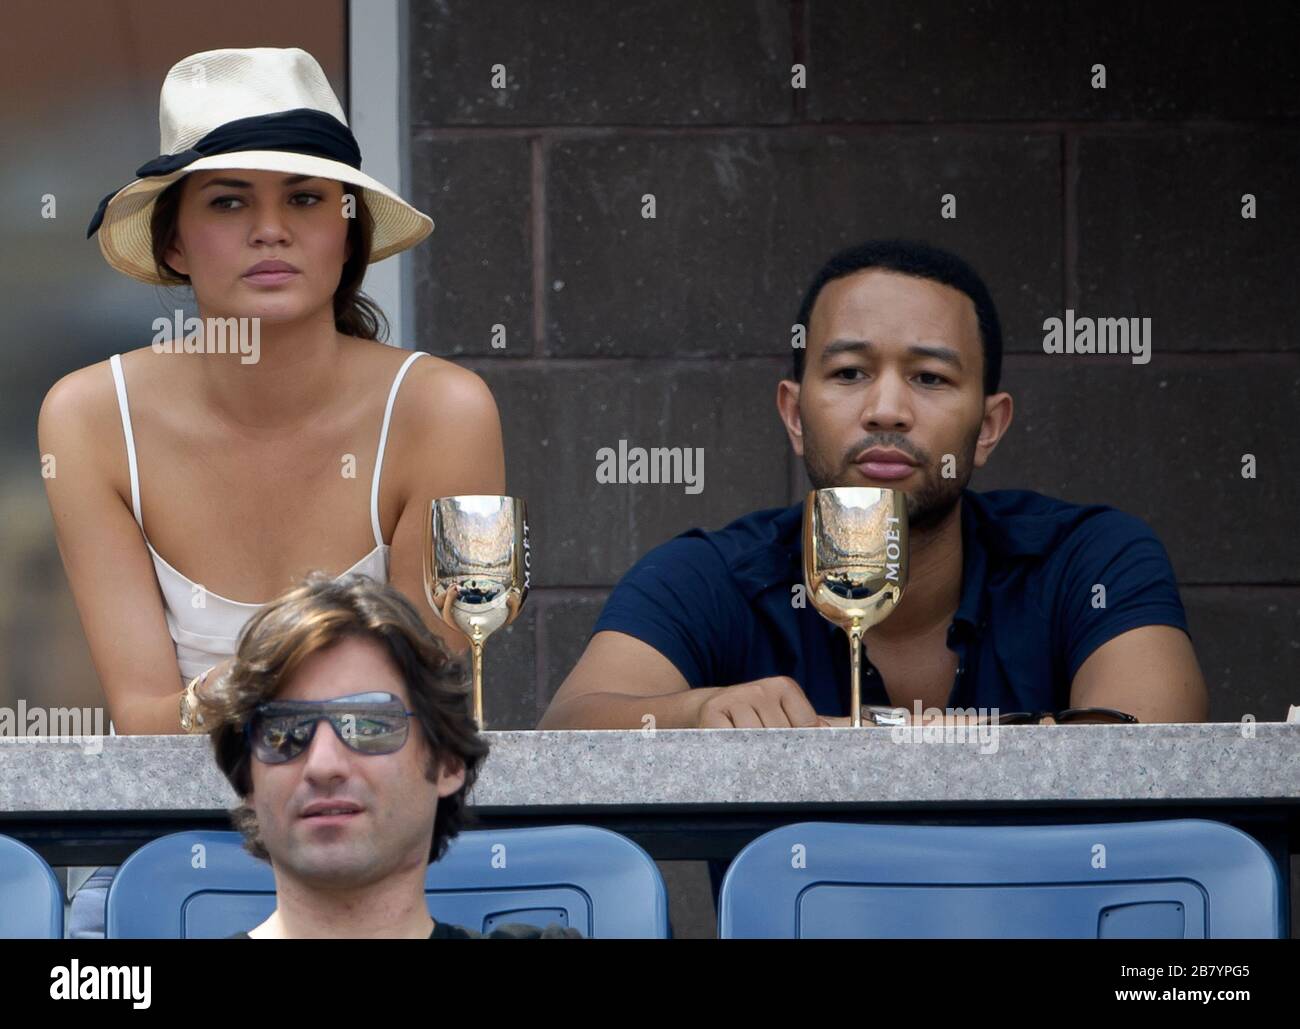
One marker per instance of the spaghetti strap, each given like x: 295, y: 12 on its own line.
x: 120, y: 381
x: 383, y: 439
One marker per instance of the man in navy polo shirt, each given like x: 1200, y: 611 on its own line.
x: 1014, y: 601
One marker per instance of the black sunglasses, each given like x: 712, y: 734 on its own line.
x: 1097, y: 715
x: 368, y: 723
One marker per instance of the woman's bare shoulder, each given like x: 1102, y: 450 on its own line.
x: 80, y: 402
x: 81, y: 410
x: 434, y: 382
x: 439, y: 399
x: 87, y: 397
x: 390, y: 355
x: 443, y: 391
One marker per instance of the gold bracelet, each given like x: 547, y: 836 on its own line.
x: 191, y: 716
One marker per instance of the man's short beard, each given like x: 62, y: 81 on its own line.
x: 927, y: 504
x: 934, y: 501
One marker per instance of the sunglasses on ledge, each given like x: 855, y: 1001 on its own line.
x: 368, y: 723
x: 1093, y: 715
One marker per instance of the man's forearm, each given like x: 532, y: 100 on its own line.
x: 679, y: 710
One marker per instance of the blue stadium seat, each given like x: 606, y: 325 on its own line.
x: 1175, y: 879
x: 590, y: 879
x: 31, y: 900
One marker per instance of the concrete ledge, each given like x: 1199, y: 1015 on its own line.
x: 687, y: 768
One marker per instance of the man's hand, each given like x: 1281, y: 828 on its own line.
x: 773, y: 703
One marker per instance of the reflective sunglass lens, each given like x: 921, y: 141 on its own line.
x: 282, y: 737
x: 375, y: 734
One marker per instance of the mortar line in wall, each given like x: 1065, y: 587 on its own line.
x: 800, y: 16
x: 548, y: 133
x: 538, y: 210
x: 1021, y: 358
x: 1069, y: 218
x: 1115, y: 360
x: 578, y: 362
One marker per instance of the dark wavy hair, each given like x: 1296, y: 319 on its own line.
x: 314, y: 616
x: 923, y: 261
x: 355, y: 314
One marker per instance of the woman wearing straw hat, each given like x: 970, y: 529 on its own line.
x: 192, y: 482
x: 191, y: 485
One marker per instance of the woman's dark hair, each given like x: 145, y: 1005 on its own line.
x: 911, y: 257
x: 317, y: 615
x: 355, y: 314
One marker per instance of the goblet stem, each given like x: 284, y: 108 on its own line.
x: 855, y: 683
x: 477, y: 642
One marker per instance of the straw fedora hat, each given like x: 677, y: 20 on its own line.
x: 261, y: 109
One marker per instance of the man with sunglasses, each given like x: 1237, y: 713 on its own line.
x: 344, y: 728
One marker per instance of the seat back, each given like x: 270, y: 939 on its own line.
x: 31, y: 900
x: 204, y: 884
x: 1174, y: 879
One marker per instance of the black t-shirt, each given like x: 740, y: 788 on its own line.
x: 505, y: 931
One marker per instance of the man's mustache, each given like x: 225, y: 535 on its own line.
x: 919, y: 456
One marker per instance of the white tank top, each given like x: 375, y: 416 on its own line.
x: 204, y: 636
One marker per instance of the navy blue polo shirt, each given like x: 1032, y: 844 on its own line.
x: 721, y: 605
